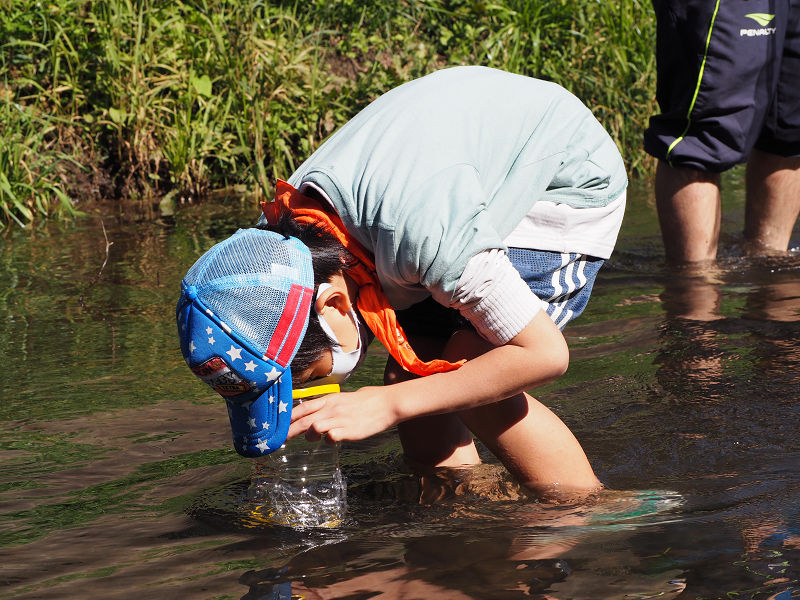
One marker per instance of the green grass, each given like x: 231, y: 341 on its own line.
x: 32, y: 169
x: 135, y: 100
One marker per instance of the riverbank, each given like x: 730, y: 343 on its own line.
x: 155, y: 101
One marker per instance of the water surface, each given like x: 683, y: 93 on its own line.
x: 118, y: 479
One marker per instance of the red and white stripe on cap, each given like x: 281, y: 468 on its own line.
x: 289, y: 329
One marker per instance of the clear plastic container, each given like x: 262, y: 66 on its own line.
x: 299, y: 485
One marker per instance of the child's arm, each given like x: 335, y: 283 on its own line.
x: 487, y: 393
x: 535, y: 356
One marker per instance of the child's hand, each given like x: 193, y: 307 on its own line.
x: 345, y: 416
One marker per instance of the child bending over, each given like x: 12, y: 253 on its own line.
x: 461, y: 218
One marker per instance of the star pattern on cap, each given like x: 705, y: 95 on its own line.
x: 235, y: 353
x: 249, y: 422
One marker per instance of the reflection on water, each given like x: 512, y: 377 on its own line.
x: 118, y: 478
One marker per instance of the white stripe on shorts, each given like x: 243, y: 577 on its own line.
x: 574, y: 279
x: 554, y: 310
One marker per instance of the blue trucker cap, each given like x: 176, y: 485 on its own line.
x: 242, y: 315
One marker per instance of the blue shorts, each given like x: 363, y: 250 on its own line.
x: 563, y: 281
x: 728, y: 82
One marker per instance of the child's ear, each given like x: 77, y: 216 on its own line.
x: 335, y: 296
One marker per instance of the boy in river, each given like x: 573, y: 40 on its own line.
x: 461, y: 218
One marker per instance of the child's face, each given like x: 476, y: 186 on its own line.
x: 333, y: 306
x: 318, y: 369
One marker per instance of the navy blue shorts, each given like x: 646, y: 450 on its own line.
x: 728, y: 82
x: 563, y: 280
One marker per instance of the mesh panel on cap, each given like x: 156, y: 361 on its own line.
x: 246, y: 278
x: 251, y: 311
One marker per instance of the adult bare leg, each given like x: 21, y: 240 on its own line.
x: 773, y: 202
x: 689, y: 212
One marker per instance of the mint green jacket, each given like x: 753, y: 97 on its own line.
x: 444, y: 167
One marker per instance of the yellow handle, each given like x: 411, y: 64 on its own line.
x: 316, y: 390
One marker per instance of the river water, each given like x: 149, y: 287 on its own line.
x: 118, y: 479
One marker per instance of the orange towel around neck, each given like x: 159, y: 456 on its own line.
x: 372, y: 302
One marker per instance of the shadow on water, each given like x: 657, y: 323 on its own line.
x: 117, y: 476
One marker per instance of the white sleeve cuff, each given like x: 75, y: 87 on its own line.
x: 494, y: 298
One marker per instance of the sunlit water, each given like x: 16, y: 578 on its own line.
x: 118, y: 478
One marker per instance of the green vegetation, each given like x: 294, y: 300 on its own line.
x: 143, y: 100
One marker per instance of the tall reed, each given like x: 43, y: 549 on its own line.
x: 31, y: 169
x: 192, y: 96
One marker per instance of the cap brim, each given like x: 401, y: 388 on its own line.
x: 260, y: 426
x: 257, y: 390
